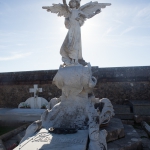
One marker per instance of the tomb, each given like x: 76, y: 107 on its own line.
x: 34, y: 102
x: 77, y: 109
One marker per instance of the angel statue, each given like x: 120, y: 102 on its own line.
x: 71, y: 49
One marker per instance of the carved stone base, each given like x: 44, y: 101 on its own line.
x: 66, y: 114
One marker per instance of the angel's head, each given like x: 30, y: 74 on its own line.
x: 74, y: 4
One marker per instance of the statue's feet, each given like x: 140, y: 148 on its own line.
x: 82, y: 62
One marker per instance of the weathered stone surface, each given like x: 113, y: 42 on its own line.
x: 45, y: 140
x: 140, y: 118
x: 121, y: 109
x: 121, y: 74
x: 114, y: 74
x: 120, y: 92
x: 28, y: 77
x: 12, y: 95
x: 146, y: 127
x: 144, y: 137
x: 2, y: 147
x: 125, y: 116
x: 131, y: 141
x: 115, y: 130
x: 129, y: 122
x: 117, y: 84
x: 140, y: 107
x: 20, y: 116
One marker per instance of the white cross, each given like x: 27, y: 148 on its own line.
x: 35, y: 90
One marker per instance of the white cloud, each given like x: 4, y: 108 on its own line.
x: 19, y: 44
x: 128, y: 30
x: 14, y: 56
x: 145, y: 12
x: 117, y: 21
x: 108, y: 31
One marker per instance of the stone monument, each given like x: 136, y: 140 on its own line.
x: 34, y: 102
x: 76, y: 110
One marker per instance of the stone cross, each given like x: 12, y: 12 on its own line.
x: 35, y: 90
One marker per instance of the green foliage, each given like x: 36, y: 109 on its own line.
x: 43, y: 107
x: 24, y: 105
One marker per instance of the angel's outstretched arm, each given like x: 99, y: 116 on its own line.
x: 65, y: 4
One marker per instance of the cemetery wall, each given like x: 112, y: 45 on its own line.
x: 118, y: 84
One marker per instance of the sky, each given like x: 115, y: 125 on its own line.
x: 30, y: 37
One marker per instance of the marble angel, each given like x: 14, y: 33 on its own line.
x: 75, y: 16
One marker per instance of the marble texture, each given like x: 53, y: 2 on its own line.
x: 70, y: 110
x: 75, y: 16
x: 45, y: 140
x: 35, y: 90
x: 97, y: 137
x: 77, y: 107
x: 33, y: 128
x: 34, y: 102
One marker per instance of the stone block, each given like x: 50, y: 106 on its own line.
x: 121, y: 109
x: 125, y: 116
x: 45, y: 140
x: 129, y: 122
x: 19, y: 116
x: 140, y: 107
x: 131, y: 141
x: 140, y: 118
x: 115, y: 130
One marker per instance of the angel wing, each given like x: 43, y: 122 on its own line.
x: 90, y: 9
x: 59, y: 9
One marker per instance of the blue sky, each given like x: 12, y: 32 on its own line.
x: 30, y: 37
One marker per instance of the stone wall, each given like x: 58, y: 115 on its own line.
x: 117, y: 84
x: 123, y: 83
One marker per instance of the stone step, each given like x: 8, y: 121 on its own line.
x: 140, y: 107
x: 125, y: 116
x: 115, y: 130
x: 121, y: 109
x: 131, y: 141
x: 45, y: 140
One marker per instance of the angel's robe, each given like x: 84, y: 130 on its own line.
x: 71, y: 47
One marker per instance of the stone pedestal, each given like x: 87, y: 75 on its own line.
x: 44, y: 140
